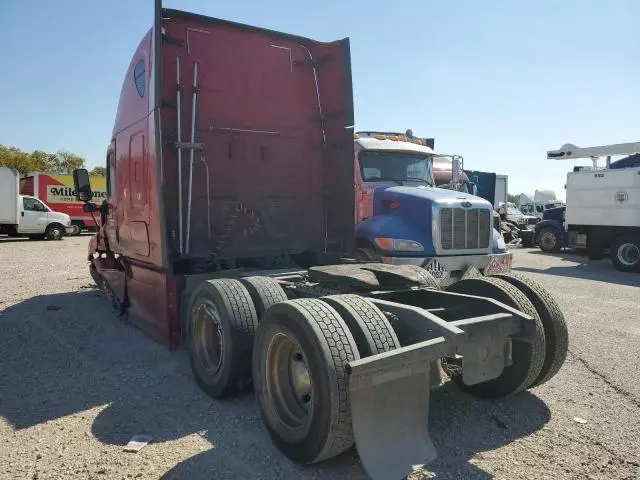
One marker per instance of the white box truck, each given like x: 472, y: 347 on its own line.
x: 603, y: 205
x: 24, y: 215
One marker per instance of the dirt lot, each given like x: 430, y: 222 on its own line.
x: 77, y: 383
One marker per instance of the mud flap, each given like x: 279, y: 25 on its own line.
x: 389, y: 395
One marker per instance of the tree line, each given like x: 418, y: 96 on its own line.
x: 62, y: 162
x: 515, y: 199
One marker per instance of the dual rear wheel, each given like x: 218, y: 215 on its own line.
x: 296, y: 352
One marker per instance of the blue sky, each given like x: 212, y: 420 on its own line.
x: 498, y: 81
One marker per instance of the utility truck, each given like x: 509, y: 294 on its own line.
x: 25, y: 215
x: 56, y: 191
x: 403, y: 219
x: 229, y: 225
x: 602, y: 207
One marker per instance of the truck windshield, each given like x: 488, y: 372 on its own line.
x: 396, y: 167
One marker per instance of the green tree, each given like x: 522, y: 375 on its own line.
x: 515, y: 199
x: 62, y: 162
x: 66, y: 162
x: 41, y: 161
x: 98, y: 171
x: 13, y: 157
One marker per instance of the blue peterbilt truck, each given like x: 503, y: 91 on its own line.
x: 404, y: 219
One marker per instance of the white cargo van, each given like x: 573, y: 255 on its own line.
x: 23, y: 215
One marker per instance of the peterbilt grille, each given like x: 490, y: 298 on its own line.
x: 464, y: 229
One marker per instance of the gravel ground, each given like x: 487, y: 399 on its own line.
x: 76, y: 383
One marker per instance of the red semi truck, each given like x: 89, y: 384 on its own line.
x: 228, y: 223
x: 57, y: 191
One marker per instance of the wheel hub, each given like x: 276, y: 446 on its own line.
x: 289, y: 381
x: 207, y: 333
x: 548, y: 239
x: 628, y: 254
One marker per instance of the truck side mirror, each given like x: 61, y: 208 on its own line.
x: 82, y: 185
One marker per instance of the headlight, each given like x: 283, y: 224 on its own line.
x: 399, y: 244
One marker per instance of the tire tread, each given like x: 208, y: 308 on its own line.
x: 369, y: 319
x: 342, y: 350
x: 516, y: 299
x: 264, y: 292
x: 555, y: 326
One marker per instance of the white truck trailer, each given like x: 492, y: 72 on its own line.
x: 603, y: 205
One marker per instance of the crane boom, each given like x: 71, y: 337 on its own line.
x: 568, y: 151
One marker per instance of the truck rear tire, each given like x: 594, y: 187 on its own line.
x: 556, y: 334
x: 528, y: 358
x: 370, y: 328
x: 264, y: 291
x: 75, y: 231
x: 301, y: 351
x: 625, y: 253
x: 549, y: 241
x: 222, y: 323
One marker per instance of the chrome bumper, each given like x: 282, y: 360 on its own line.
x: 448, y: 270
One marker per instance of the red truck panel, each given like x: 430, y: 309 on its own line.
x: 279, y: 159
x: 274, y: 115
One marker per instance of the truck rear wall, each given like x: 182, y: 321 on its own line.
x: 8, y: 196
x: 604, y: 197
x: 277, y: 139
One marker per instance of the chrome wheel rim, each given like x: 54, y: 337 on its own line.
x: 289, y: 382
x: 628, y: 254
x: 548, y: 240
x: 207, y: 336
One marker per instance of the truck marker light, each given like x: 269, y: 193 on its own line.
x: 394, y: 204
x: 399, y: 244
x: 384, y: 243
x: 407, y: 245
x: 394, y: 138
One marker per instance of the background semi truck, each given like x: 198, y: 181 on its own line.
x: 229, y: 225
x: 58, y: 193
x: 403, y: 219
x: 24, y: 215
x: 542, y: 200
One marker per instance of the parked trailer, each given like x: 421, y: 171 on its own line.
x: 240, y: 181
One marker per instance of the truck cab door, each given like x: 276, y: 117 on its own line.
x: 33, y: 216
